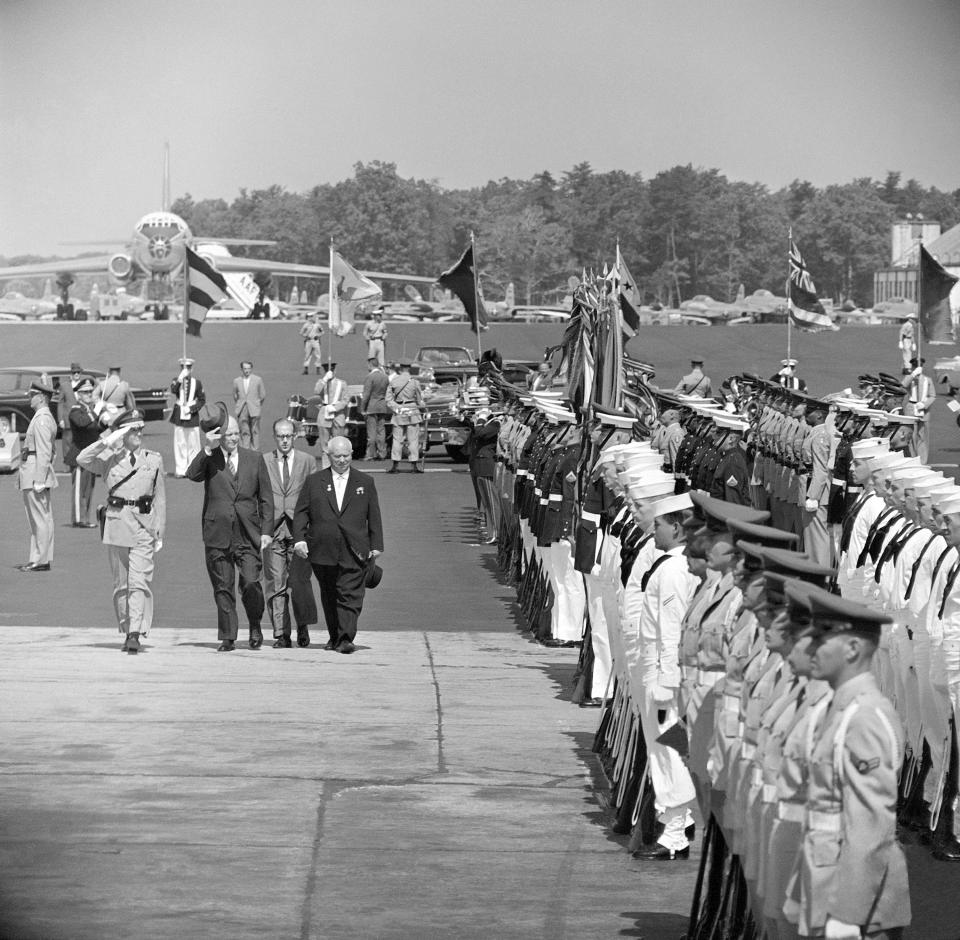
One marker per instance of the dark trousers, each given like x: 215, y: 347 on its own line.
x: 287, y: 578
x: 342, y: 587
x: 376, y: 437
x: 222, y: 566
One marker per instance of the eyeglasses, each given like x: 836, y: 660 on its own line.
x: 281, y: 437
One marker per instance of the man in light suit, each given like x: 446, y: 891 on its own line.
x: 136, y: 516
x: 287, y: 575
x: 36, y: 477
x: 917, y: 402
x: 337, y: 526
x: 237, y: 515
x: 817, y: 452
x: 187, y: 391
x: 374, y: 407
x: 334, y: 402
x: 248, y: 396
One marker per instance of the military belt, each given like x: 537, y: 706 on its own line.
x: 820, y: 821
x: 769, y: 794
x: 756, y: 777
x: 748, y: 750
x: 791, y: 812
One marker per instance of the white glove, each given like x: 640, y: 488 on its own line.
x: 300, y: 549
x: 157, y: 543
x: 811, y: 505
x: 265, y: 540
x: 39, y: 487
x: 838, y: 930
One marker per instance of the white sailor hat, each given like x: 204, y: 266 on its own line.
x: 869, y: 447
x: 670, y: 504
x: 948, y: 506
x: 185, y: 361
x: 701, y: 404
x: 942, y: 490
x: 788, y: 362
x: 653, y: 491
x: 547, y: 396
x: 731, y: 423
x: 649, y: 473
x: 909, y: 473
x: 892, y: 460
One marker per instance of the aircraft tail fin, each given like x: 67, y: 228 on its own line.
x: 48, y: 290
x: 413, y: 294
x: 510, y: 298
x: 741, y: 294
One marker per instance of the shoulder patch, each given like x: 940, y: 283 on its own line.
x: 732, y: 481
x: 863, y: 765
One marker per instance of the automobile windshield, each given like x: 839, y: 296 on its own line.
x: 444, y: 355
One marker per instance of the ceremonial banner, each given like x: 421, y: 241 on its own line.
x: 935, y: 286
x: 206, y: 286
x: 629, y: 295
x: 462, y: 280
x: 805, y: 310
x: 348, y: 289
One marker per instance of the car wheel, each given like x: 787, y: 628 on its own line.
x: 456, y: 454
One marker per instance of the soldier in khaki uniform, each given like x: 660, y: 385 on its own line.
x: 851, y: 875
x: 134, y: 519
x: 37, y: 478
x: 405, y: 400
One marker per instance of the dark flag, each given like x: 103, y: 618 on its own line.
x: 462, y: 280
x: 935, y: 287
x: 629, y: 298
x: 205, y: 287
x: 805, y: 310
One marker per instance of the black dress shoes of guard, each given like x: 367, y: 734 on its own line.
x: 226, y: 646
x: 947, y: 851
x: 29, y: 567
x: 394, y: 468
x: 256, y: 638
x: 303, y: 636
x: 330, y: 645
x: 591, y: 703
x: 282, y: 643
x: 660, y: 853
x: 345, y: 646
x: 132, y: 644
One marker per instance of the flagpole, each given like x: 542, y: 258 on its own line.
x: 186, y: 301
x: 330, y: 309
x: 476, y: 291
x: 789, y: 318
x: 919, y: 328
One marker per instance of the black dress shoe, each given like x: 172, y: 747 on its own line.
x: 256, y: 638
x: 45, y: 567
x: 345, y: 647
x: 947, y: 851
x: 394, y: 469
x: 88, y: 525
x: 303, y: 637
x: 133, y: 643
x: 591, y: 703
x: 282, y: 643
x: 24, y: 566
x: 330, y: 645
x: 226, y: 646
x: 660, y: 853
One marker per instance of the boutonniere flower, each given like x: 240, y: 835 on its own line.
x: 329, y: 488
x: 359, y: 491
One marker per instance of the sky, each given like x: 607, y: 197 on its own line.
x: 295, y: 92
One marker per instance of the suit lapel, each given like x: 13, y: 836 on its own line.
x: 347, y: 492
x: 326, y: 477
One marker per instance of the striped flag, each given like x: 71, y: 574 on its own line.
x: 805, y: 310
x: 206, y: 286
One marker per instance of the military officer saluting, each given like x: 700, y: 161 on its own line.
x: 134, y: 519
x: 37, y: 478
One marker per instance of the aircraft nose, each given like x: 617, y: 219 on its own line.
x: 159, y: 247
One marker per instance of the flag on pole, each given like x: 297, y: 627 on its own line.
x: 629, y: 296
x: 936, y: 320
x: 805, y: 310
x: 462, y: 280
x: 206, y: 286
x: 348, y: 289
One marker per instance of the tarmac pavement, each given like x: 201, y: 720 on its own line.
x: 437, y: 783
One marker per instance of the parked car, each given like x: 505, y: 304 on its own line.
x: 444, y: 426
x: 15, y: 384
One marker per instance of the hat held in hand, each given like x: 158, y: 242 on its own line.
x: 214, y: 417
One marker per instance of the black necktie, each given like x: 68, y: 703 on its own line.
x: 133, y: 459
x: 285, y: 473
x: 916, y: 567
x: 230, y: 464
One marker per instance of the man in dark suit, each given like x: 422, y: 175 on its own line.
x: 286, y: 575
x: 337, y: 526
x: 237, y: 520
x: 373, y: 405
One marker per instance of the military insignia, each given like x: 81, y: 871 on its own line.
x: 571, y: 477
x: 865, y: 766
x: 359, y: 491
x: 329, y: 488
x: 732, y: 481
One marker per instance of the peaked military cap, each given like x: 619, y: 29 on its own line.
x: 763, y: 535
x: 833, y: 614
x: 796, y: 565
x: 722, y: 512
x: 129, y: 419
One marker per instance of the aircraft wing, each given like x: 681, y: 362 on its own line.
x: 256, y: 265
x: 74, y: 265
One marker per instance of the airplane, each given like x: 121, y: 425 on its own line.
x: 704, y: 307
x: 14, y: 305
x: 764, y: 303
x: 157, y: 249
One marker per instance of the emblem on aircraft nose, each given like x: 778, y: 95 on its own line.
x: 159, y: 247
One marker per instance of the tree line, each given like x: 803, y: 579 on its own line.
x: 685, y: 231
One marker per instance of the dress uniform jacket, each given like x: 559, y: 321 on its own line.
x: 851, y: 867
x: 189, y: 398
x: 125, y: 525
x: 731, y: 479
